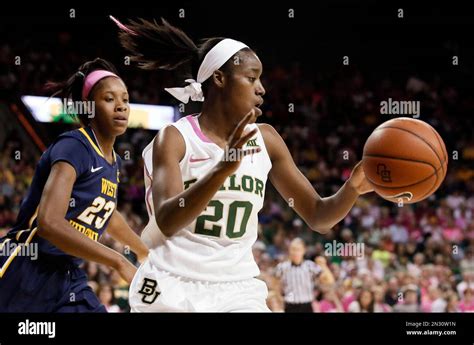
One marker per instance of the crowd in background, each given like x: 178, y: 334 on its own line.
x: 415, y: 258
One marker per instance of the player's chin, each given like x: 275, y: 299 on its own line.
x: 258, y: 111
x: 119, y: 127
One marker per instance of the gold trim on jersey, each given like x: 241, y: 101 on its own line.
x: 18, y: 234
x: 7, y: 263
x: 3, y: 243
x: 96, y: 148
x: 83, y: 131
x: 33, y: 217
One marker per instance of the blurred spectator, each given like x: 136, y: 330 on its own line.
x: 409, y: 302
x: 467, y: 303
x: 107, y: 298
x: 330, y: 302
x: 380, y: 306
x: 326, y: 277
x: 364, y: 304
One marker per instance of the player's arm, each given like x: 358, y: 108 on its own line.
x: 53, y: 226
x: 175, y: 207
x: 321, y: 214
x: 120, y: 231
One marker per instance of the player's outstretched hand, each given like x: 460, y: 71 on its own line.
x: 358, y: 181
x: 234, y: 153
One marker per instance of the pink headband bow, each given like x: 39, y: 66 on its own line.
x: 93, y: 78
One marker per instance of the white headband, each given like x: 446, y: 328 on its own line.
x: 213, y: 60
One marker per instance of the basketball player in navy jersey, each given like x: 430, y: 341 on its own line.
x: 71, y: 202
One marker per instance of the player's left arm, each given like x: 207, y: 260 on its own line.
x: 120, y: 231
x: 321, y: 214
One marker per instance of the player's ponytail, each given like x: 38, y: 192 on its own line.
x: 165, y: 47
x: 158, y: 46
x: 71, y: 88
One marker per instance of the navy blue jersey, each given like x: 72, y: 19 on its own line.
x: 93, y: 197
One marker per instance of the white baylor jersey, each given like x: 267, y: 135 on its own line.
x: 217, y: 245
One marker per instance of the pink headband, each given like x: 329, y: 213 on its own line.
x: 93, y: 78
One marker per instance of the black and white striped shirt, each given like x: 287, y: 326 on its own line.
x: 297, y: 281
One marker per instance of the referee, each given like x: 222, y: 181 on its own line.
x: 297, y: 278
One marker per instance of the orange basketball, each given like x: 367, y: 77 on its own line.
x: 405, y: 160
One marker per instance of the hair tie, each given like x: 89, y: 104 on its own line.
x: 214, y: 59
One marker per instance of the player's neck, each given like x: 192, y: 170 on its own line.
x: 215, y: 123
x: 106, y: 143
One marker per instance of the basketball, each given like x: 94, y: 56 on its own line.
x: 405, y: 160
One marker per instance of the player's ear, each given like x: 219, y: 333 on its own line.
x: 219, y: 78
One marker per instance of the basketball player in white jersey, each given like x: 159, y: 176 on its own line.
x: 205, y: 179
